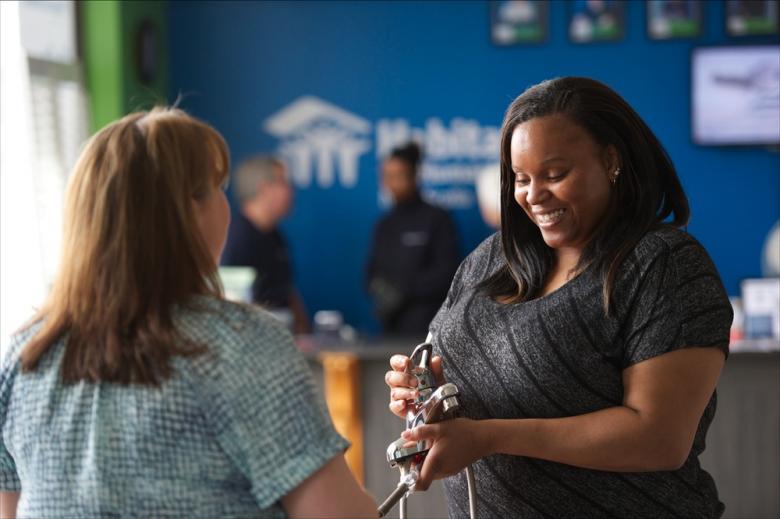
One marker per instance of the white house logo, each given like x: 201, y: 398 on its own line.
x: 321, y: 141
x: 324, y: 144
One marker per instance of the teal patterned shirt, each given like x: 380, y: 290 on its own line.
x: 228, y: 435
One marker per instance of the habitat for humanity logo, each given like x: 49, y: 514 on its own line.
x: 324, y: 143
x: 321, y: 141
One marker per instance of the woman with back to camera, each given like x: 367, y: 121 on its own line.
x: 414, y: 252
x: 587, y: 336
x: 137, y: 389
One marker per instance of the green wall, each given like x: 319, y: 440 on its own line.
x: 109, y: 31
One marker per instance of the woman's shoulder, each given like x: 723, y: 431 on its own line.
x: 12, y: 349
x: 248, y: 350
x: 670, y: 247
x: 228, y: 327
x: 669, y: 237
x: 666, y: 241
x: 232, y: 317
x: 484, y: 260
x: 10, y: 366
x: 489, y: 248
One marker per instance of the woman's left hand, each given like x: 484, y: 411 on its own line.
x: 456, y: 444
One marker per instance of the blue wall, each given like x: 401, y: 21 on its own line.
x: 239, y: 63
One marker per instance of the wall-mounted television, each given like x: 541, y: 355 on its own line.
x: 736, y: 95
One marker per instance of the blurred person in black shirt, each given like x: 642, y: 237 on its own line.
x: 414, y: 253
x: 265, y: 196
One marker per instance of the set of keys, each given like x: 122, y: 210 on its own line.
x: 432, y: 404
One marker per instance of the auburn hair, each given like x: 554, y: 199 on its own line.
x: 132, y: 251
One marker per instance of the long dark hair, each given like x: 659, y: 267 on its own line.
x: 647, y: 193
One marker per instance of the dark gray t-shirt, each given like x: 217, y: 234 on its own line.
x: 559, y: 355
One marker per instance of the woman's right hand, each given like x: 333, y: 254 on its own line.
x: 403, y: 385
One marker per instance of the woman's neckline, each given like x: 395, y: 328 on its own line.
x: 546, y: 297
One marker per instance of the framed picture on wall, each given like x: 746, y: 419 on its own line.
x: 596, y: 20
x: 752, y: 17
x: 514, y: 22
x: 669, y: 19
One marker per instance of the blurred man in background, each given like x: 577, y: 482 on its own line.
x: 265, y: 196
x: 414, y: 253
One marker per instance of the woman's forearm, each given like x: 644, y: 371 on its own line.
x: 8, y: 502
x: 614, y: 439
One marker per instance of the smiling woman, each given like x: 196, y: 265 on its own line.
x: 601, y: 327
x: 562, y: 182
x: 596, y: 137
